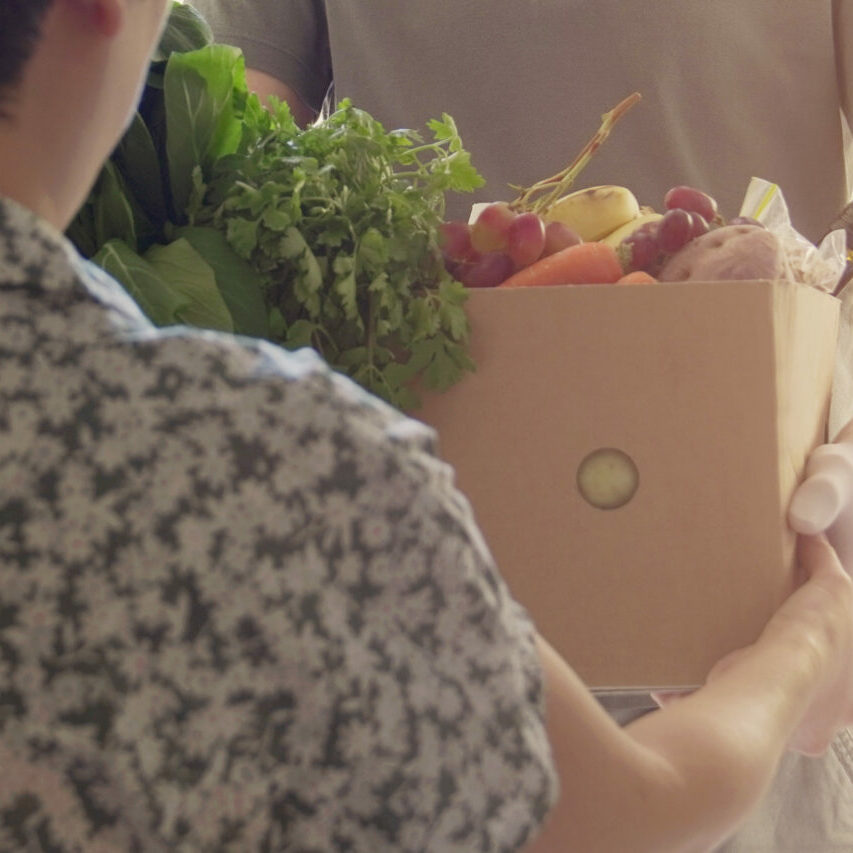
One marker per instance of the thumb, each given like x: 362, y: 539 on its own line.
x: 816, y: 504
x: 826, y: 491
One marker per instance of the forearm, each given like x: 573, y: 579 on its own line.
x: 720, y: 746
x: 680, y: 779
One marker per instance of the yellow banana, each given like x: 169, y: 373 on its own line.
x: 614, y: 238
x: 595, y: 211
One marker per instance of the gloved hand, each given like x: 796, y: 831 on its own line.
x: 823, y: 503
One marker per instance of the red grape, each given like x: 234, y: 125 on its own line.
x: 691, y: 200
x: 525, y: 239
x: 643, y: 247
x: 700, y: 225
x: 490, y: 232
x: 455, y: 240
x: 675, y: 230
x: 489, y: 271
x: 559, y: 236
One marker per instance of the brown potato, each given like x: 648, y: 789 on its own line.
x: 729, y: 253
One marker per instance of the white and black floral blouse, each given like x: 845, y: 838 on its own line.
x: 242, y: 606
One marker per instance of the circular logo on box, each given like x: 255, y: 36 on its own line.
x: 607, y: 478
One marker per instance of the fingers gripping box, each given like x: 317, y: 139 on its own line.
x: 630, y: 451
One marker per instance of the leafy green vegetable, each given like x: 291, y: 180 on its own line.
x: 203, y: 89
x: 194, y: 282
x: 341, y: 219
x: 137, y: 161
x: 241, y: 287
x: 186, y: 30
x: 218, y: 212
x: 112, y: 210
x: 155, y: 295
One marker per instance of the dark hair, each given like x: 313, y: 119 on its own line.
x: 20, y: 23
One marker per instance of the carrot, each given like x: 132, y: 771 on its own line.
x: 585, y: 263
x: 637, y: 277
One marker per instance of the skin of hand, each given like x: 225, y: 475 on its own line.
x: 831, y: 708
x: 823, y: 503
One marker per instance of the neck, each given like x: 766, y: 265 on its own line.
x: 28, y: 178
x: 53, y: 143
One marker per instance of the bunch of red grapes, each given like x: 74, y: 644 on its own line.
x: 500, y: 242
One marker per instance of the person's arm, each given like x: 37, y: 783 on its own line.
x: 682, y: 779
x: 286, y: 48
x: 843, y: 26
x: 264, y: 85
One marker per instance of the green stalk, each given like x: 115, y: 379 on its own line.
x: 558, y: 184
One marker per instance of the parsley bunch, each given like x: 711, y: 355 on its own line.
x: 341, y: 220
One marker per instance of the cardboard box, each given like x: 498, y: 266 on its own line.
x: 716, y: 392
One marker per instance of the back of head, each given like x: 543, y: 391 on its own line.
x: 19, y: 29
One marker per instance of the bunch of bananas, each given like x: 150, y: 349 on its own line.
x: 606, y: 214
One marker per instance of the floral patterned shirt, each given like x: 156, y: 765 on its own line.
x: 242, y: 606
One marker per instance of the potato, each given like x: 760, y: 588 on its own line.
x: 729, y: 253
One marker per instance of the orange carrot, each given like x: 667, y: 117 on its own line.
x: 585, y: 263
x: 637, y: 277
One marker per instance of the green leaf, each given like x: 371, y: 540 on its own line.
x: 186, y: 30
x: 345, y: 286
x: 137, y: 160
x: 300, y: 334
x: 199, y: 189
x: 242, y: 234
x: 294, y: 247
x: 373, y: 249
x: 353, y: 357
x: 201, y: 88
x: 278, y: 326
x: 241, y: 286
x: 462, y: 176
x: 444, y: 370
x: 276, y: 219
x: 113, y: 214
x: 152, y: 108
x: 423, y: 318
x: 445, y: 129
x: 405, y: 399
x: 194, y: 281
x: 158, y: 300
x: 81, y: 231
x: 453, y: 296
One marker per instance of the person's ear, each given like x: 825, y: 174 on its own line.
x: 105, y: 16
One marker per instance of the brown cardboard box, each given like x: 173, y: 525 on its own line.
x: 716, y: 391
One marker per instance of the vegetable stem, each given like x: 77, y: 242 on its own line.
x: 558, y: 184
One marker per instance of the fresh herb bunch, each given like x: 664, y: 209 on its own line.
x: 216, y: 212
x: 341, y: 220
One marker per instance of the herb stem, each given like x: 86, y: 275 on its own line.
x: 432, y: 147
x: 371, y: 329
